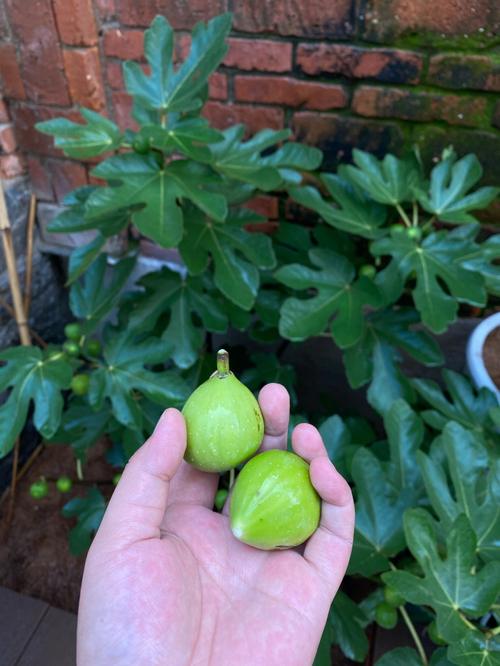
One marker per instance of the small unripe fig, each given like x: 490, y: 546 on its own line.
x: 414, y: 232
x: 223, y: 420
x: 64, y: 484
x: 434, y: 634
x: 386, y: 616
x: 73, y: 331
x: 80, y: 384
x: 39, y: 489
x: 220, y: 499
x: 367, y: 270
x: 93, y: 347
x: 397, y: 229
x: 274, y: 504
x: 71, y: 348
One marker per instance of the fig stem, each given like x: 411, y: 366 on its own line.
x: 222, y: 363
x: 231, y: 478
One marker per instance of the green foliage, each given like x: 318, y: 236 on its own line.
x: 376, y: 273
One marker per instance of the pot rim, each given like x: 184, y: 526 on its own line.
x: 474, y: 354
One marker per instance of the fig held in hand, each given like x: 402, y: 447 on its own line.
x: 223, y: 420
x: 274, y: 504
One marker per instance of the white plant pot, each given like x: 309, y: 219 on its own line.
x: 475, y: 362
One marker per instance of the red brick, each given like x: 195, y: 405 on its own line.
x: 125, y: 44
x: 314, y: 18
x: 122, y: 104
x: 181, y: 47
x: 456, y: 70
x: 263, y: 55
x: 11, y: 166
x: 4, y: 24
x: 106, y: 9
x: 254, y: 117
x: 386, y: 20
x: 217, y: 86
x: 83, y: 71
x: 40, y: 179
x: 75, y: 22
x: 8, y: 141
x: 114, y: 75
x: 32, y: 21
x: 266, y: 206
x: 388, y: 65
x: 66, y: 176
x: 181, y: 14
x: 289, y: 92
x: 9, y: 72
x: 29, y: 138
x: 336, y: 136
x: 4, y: 112
x: 426, y: 107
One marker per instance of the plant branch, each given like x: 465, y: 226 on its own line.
x: 404, y: 216
x: 29, y: 255
x: 415, y: 214
x: 411, y: 628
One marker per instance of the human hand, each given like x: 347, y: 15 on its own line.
x: 166, y: 582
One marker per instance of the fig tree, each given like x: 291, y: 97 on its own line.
x: 39, y: 489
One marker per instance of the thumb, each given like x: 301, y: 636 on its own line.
x: 137, y: 507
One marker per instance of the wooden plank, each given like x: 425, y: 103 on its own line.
x: 20, y: 616
x: 53, y: 643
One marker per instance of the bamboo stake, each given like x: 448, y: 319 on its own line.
x: 10, y: 311
x: 10, y: 260
x: 23, y: 471
x: 29, y: 256
x: 22, y: 324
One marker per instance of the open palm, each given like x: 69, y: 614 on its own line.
x: 166, y: 582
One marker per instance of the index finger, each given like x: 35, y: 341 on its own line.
x: 274, y: 403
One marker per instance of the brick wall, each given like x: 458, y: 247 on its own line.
x: 377, y: 74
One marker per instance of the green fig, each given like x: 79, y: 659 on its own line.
x: 223, y: 420
x: 274, y: 504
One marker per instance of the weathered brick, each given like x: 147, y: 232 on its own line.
x: 125, y: 44
x: 106, y: 9
x: 456, y: 70
x: 182, y: 15
x: 83, y: 71
x: 32, y: 21
x: 11, y: 166
x: 263, y: 55
x: 289, y: 92
x: 387, y: 65
x: 418, y: 106
x: 386, y: 20
x: 4, y: 112
x: 496, y: 115
x: 66, y: 176
x: 9, y: 72
x: 75, y: 22
x: 40, y: 179
x: 8, y: 142
x: 28, y: 137
x: 336, y: 136
x: 114, y: 75
x: 264, y: 205
x: 122, y: 104
x: 4, y: 24
x: 217, y: 86
x: 254, y: 117
x: 315, y: 18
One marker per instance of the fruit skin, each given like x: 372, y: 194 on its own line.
x: 274, y: 504
x: 64, y: 484
x: 434, y: 635
x: 71, y: 348
x: 220, y: 498
x: 141, y: 145
x: 39, y: 489
x: 396, y: 229
x: 414, y: 232
x: 94, y: 347
x: 386, y: 616
x: 80, y: 384
x: 73, y: 331
x: 392, y: 597
x: 224, y: 424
